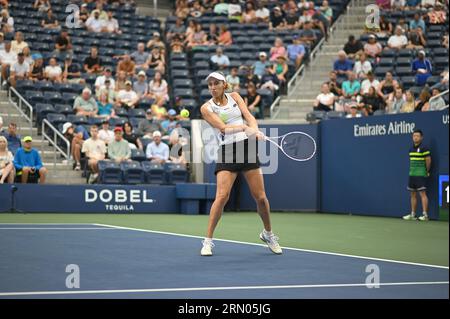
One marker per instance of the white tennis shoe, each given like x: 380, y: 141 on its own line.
x: 409, y: 217
x: 272, y: 242
x: 207, y: 248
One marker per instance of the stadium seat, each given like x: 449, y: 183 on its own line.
x: 56, y: 119
x: 109, y: 172
x: 138, y: 155
x: 132, y: 173
x: 117, y: 121
x: 77, y: 119
x: 154, y: 172
x: 64, y: 109
x: 139, y: 113
x: 403, y: 71
x: 335, y: 115
x: 379, y: 112
x: 408, y: 81
x: 42, y: 110
x: 176, y: 173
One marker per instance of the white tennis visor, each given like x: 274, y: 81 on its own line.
x: 216, y: 75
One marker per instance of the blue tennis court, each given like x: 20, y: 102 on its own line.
x: 118, y: 262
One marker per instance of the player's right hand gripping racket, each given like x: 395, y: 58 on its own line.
x: 298, y: 146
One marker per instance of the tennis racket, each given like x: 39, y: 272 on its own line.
x: 297, y: 146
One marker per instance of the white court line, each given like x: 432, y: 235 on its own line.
x: 68, y: 224
x: 56, y: 228
x: 288, y: 248
x: 76, y: 292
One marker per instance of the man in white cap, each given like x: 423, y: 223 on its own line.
x: 157, y: 151
x: 260, y: 65
x: 127, y: 98
x: 141, y: 86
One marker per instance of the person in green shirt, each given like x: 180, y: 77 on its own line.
x: 119, y: 149
x: 419, y: 171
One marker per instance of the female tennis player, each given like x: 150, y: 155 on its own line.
x: 226, y: 112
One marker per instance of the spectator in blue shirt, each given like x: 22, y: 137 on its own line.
x: 351, y: 87
x: 157, y: 151
x: 343, y: 66
x: 296, y: 51
x: 422, y: 68
x: 260, y: 66
x: 412, y: 4
x: 220, y: 61
x: 171, y: 123
x: 13, y: 139
x: 27, y: 161
x: 417, y: 22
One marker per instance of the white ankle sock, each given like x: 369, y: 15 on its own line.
x: 208, y: 240
x: 267, y: 233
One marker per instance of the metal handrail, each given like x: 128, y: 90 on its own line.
x: 53, y: 141
x: 439, y: 95
x: 22, y: 102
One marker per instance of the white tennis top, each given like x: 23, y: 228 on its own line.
x: 230, y: 114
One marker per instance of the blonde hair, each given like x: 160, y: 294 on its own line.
x: 2, y: 138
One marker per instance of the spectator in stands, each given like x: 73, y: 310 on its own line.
x: 19, y: 70
x: 76, y: 143
x: 94, y: 23
x: 213, y: 35
x: 100, y: 81
x: 371, y: 102
x: 353, y: 48
x: 18, y: 44
x: 280, y: 68
x: 417, y: 22
x: 120, y: 81
x: 111, y: 25
x: 260, y: 65
x: 27, y: 56
x: 99, y: 7
x: 157, y: 42
x: 221, y: 8
x: 105, y: 108
x: 27, y: 161
x: 403, y: 24
x: 333, y: 85
x: 384, y: 4
x: 343, y: 66
x: 262, y: 14
x: 233, y: 80
x: 398, y: 5
x: 53, y: 71
x: 50, y: 21
x: 305, y: 5
x: 249, y: 14
x: 442, y: 85
x: 177, y: 29
x: 436, y: 103
x: 234, y: 10
x: 37, y: 69
x: 6, y: 22
x: 109, y: 89
x: 445, y: 40
x: 72, y: 71
x: 410, y: 104
x: 95, y: 150
x: 85, y: 104
x: 373, y: 48
x: 416, y: 39
x: 219, y: 61
x: 385, y: 27
x: 387, y: 87
x: 208, y: 5
x: 251, y: 77
x: 412, y: 4
x: 307, y: 34
x: 429, y: 4
x: 253, y: 101
x: 277, y: 50
x: 42, y: 5
x: 158, y: 90
x: 93, y: 63
x: 7, y: 171
x: 269, y: 80
x: 13, y: 138
x: 140, y: 57
x: 133, y: 140
x: 156, y: 60
x: 422, y: 103
x: 157, y: 152
x: 437, y: 15
x: 421, y: 67
x: 398, y: 40
x: 176, y: 154
x: 84, y: 13
x: 296, y: 51
x: 119, y: 149
x: 177, y: 45
x: 276, y: 19
x: 225, y: 37
x: 353, y: 112
x: 371, y: 81
x: 362, y: 67
x: 327, y: 11
x: 141, y: 86
x: 105, y: 134
x: 196, y: 11
x: 306, y: 16
x: 351, y: 87
x: 7, y: 59
x: 127, y: 98
x: 395, y: 104
x: 127, y: 65
x: 182, y: 9
x: 147, y: 125
x: 170, y: 123
x: 63, y: 44
x: 190, y: 30
x: 291, y: 20
x: 325, y: 100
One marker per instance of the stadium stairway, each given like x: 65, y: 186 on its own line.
x: 299, y: 102
x: 60, y: 171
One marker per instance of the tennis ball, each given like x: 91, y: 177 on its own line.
x: 184, y: 113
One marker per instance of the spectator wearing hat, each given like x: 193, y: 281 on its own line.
x: 296, y: 51
x: 37, y: 69
x: 7, y: 58
x: 105, y: 134
x: 422, y: 68
x: 19, y: 70
x: 260, y: 65
x: 170, y: 123
x: 118, y: 149
x: 398, y: 40
x: 72, y: 71
x: 147, y: 126
x: 50, y: 21
x: 27, y: 161
x: 219, y: 61
x: 280, y: 69
x: 94, y: 23
x: 85, y: 104
x: 157, y: 152
x: 53, y: 71
x: 343, y: 66
x: 7, y: 171
x: 95, y: 150
x: 84, y: 13
x: 276, y: 19
x: 103, y: 15
x: 373, y: 48
x: 156, y: 60
x: 127, y: 65
x: 13, y: 138
x: 141, y: 86
x: 353, y: 112
x: 76, y: 140
x: 354, y: 48
x: 93, y: 63
x: 156, y: 41
x: 110, y: 24
x: 127, y: 98
x: 100, y: 80
x: 141, y: 57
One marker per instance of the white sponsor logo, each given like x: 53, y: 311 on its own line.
x: 118, y: 199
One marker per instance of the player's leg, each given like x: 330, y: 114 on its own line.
x: 424, y: 200
x: 255, y: 182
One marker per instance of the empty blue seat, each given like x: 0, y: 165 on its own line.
x: 176, y: 173
x: 109, y: 172
x: 77, y: 119
x: 42, y: 110
x: 64, y: 109
x: 140, y: 113
x: 138, y: 155
x: 183, y: 84
x: 34, y: 97
x: 53, y: 97
x: 154, y: 172
x: 56, y: 119
x: 132, y: 173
